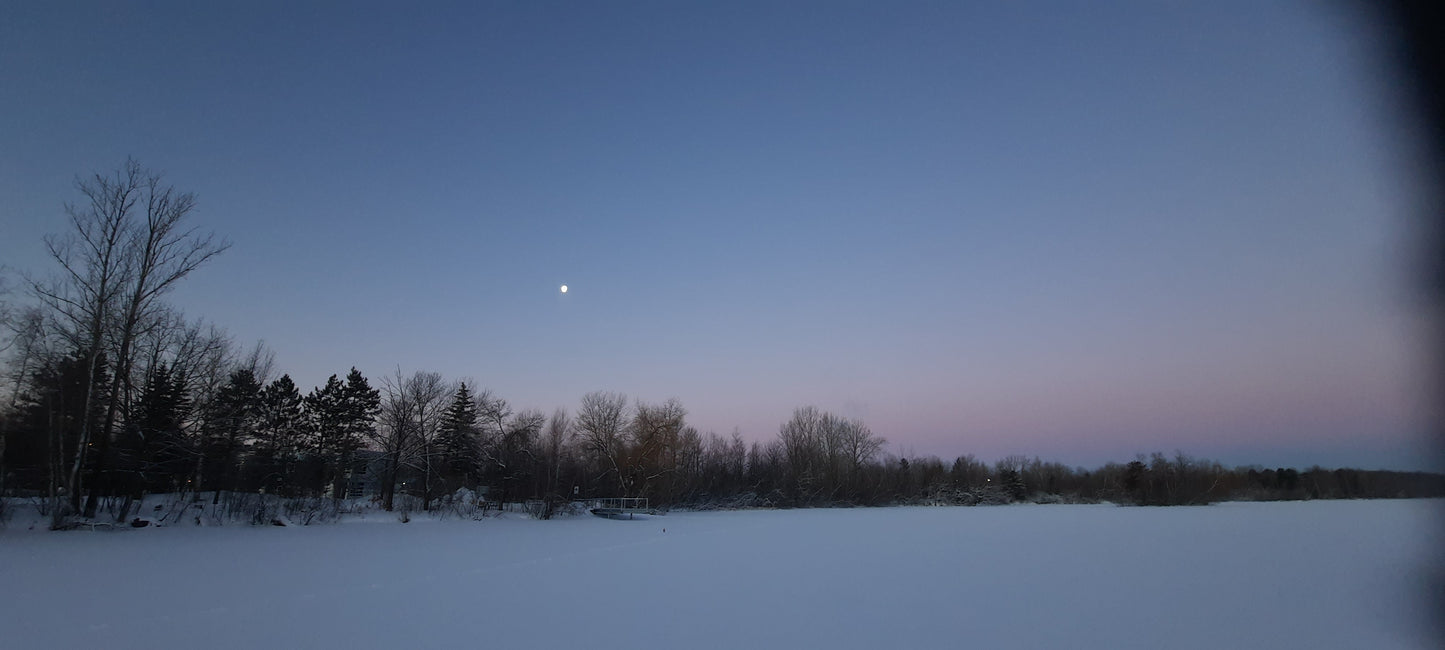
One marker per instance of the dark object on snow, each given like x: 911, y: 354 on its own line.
x: 139, y: 523
x: 622, y: 508
x: 278, y: 522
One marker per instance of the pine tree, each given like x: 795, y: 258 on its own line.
x: 280, y: 435
x: 1134, y: 474
x: 458, y: 441
x: 326, y: 418
x: 340, y: 416
x: 48, y: 425
x: 1013, y: 482
x: 230, y: 424
x: 360, y: 404
x: 156, y: 445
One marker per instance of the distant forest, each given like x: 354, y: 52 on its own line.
x: 113, y: 394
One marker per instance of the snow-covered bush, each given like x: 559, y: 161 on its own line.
x: 313, y: 510
x: 462, y: 504
x: 547, y: 508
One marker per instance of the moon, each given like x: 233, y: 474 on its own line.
x: 564, y: 288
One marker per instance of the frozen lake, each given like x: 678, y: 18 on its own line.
x: 1347, y: 574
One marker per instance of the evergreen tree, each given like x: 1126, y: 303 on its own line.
x: 1013, y: 482
x: 230, y: 424
x: 341, y: 416
x: 458, y: 440
x: 326, y: 419
x: 1134, y: 481
x: 48, y: 426
x: 280, y: 435
x: 155, y: 444
x: 361, y: 403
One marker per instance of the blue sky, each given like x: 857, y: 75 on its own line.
x: 1062, y: 229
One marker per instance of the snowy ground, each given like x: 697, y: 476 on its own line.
x: 1350, y: 574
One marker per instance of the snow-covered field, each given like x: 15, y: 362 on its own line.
x: 1351, y: 574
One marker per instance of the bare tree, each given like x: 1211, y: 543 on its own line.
x: 858, y: 448
x: 261, y: 361
x: 411, y: 414
x: 654, y: 434
x: 94, y: 272
x: 826, y: 454
x: 493, y: 411
x: 554, y: 447
x: 159, y: 252
x: 802, y: 440
x: 125, y: 247
x: 429, y: 393
x: 394, y: 434
x: 200, y: 357
x: 29, y: 338
x: 203, y: 359
x: 600, y: 426
x: 519, y: 451
x: 689, y: 456
x: 7, y: 312
x: 723, y: 463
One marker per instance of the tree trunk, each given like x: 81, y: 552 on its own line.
x: 339, y: 480
x: 388, y: 484
x: 73, y: 482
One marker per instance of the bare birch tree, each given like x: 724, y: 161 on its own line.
x: 85, y: 296
x: 125, y: 247
x: 160, y: 250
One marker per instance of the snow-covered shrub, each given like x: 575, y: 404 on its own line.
x: 312, y: 510
x: 546, y: 508
x: 462, y: 504
x: 570, y: 509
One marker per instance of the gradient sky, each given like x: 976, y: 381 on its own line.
x: 1077, y: 230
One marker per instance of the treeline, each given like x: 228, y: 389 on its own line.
x: 1156, y: 480
x: 112, y: 394
x: 189, y: 431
